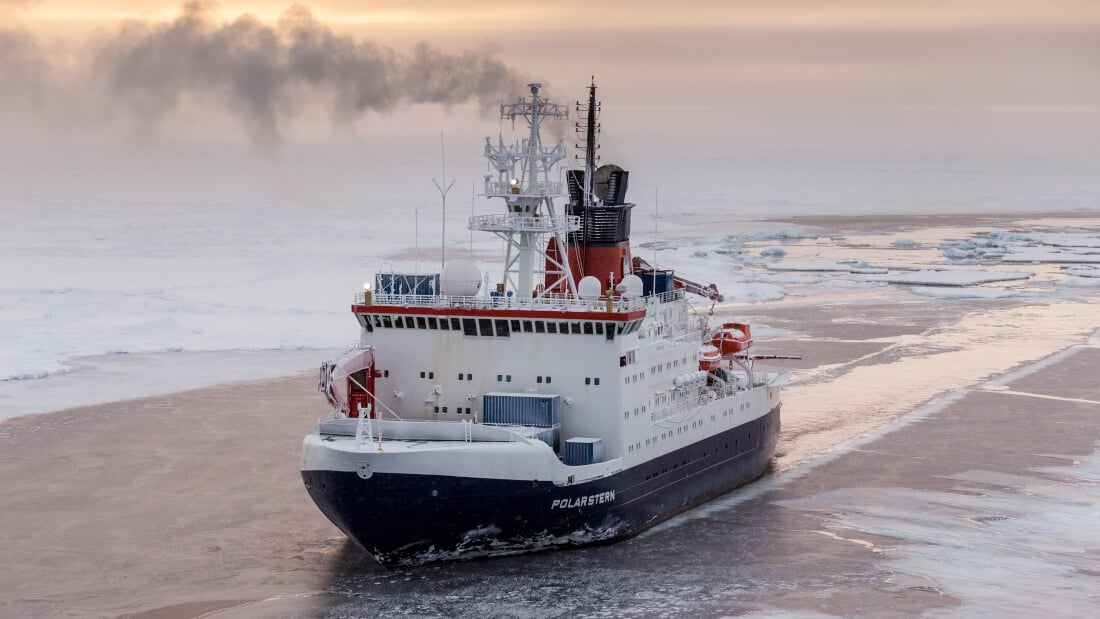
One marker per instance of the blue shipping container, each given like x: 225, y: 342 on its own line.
x: 426, y: 284
x: 582, y: 450
x: 522, y: 409
x: 657, y: 282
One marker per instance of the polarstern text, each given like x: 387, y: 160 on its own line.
x: 584, y: 501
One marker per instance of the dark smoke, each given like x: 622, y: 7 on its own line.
x: 262, y: 75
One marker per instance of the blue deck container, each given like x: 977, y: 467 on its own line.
x: 581, y: 450
x: 426, y: 284
x: 522, y: 409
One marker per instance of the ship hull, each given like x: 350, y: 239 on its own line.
x: 416, y: 518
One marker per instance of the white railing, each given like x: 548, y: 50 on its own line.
x: 525, y: 223
x: 542, y: 188
x: 551, y: 302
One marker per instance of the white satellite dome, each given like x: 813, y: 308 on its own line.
x: 631, y: 286
x: 461, y: 278
x: 589, y: 287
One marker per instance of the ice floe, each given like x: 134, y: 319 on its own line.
x: 957, y: 277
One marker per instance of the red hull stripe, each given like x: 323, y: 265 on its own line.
x: 495, y: 313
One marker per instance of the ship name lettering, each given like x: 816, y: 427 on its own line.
x: 584, y: 501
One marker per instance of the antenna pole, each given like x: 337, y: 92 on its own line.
x: 443, y: 195
x: 656, y: 238
x: 416, y: 235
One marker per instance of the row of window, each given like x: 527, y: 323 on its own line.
x: 507, y: 378
x: 669, y: 365
x: 499, y: 327
x: 458, y: 410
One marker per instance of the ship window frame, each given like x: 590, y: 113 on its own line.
x: 485, y: 327
x: 538, y: 379
x: 528, y: 327
x: 433, y: 323
x: 502, y: 327
x: 421, y: 322
x: 515, y: 326
x: 548, y: 380
x: 444, y: 324
x: 576, y: 327
x: 507, y: 378
x: 563, y: 328
x: 387, y: 322
x: 469, y: 326
x: 599, y: 327
x: 460, y: 376
x: 588, y: 380
x: 540, y: 326
x: 398, y: 322
x: 588, y: 328
x: 456, y: 324
x: 500, y: 378
x: 551, y: 327
x: 596, y: 381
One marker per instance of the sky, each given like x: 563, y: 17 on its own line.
x: 693, y: 80
x: 800, y: 74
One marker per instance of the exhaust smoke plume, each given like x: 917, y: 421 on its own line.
x: 263, y: 75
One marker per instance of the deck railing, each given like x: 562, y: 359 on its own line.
x: 550, y: 302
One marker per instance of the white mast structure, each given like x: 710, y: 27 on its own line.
x: 528, y: 181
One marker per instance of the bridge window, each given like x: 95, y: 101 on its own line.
x: 596, y: 380
x: 599, y: 328
x: 527, y: 326
x: 563, y: 328
x: 588, y: 328
x: 444, y: 324
x: 577, y: 328
x: 502, y: 328
x: 433, y: 323
x: 540, y: 327
x: 469, y: 326
x: 454, y: 324
x: 486, y: 325
x: 515, y: 326
x: 399, y: 322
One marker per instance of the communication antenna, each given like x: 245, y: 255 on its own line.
x: 472, y: 197
x: 656, y: 238
x: 443, y: 195
x: 416, y: 236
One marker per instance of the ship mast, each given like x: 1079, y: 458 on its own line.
x: 526, y: 179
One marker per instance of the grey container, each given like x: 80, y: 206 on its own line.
x: 522, y: 409
x: 581, y: 450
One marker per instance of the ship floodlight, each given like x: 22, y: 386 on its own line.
x: 366, y: 286
x: 513, y: 182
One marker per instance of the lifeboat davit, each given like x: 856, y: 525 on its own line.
x: 732, y: 338
x: 709, y: 358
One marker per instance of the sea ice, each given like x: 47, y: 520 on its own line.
x: 960, y: 277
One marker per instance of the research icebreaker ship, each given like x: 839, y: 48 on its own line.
x: 578, y: 400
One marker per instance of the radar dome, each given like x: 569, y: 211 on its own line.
x: 631, y: 286
x: 461, y: 278
x: 589, y: 287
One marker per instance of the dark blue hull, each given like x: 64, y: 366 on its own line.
x: 411, y: 519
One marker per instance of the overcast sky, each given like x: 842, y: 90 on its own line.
x: 905, y: 75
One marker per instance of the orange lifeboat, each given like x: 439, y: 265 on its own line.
x: 709, y: 358
x: 732, y: 338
